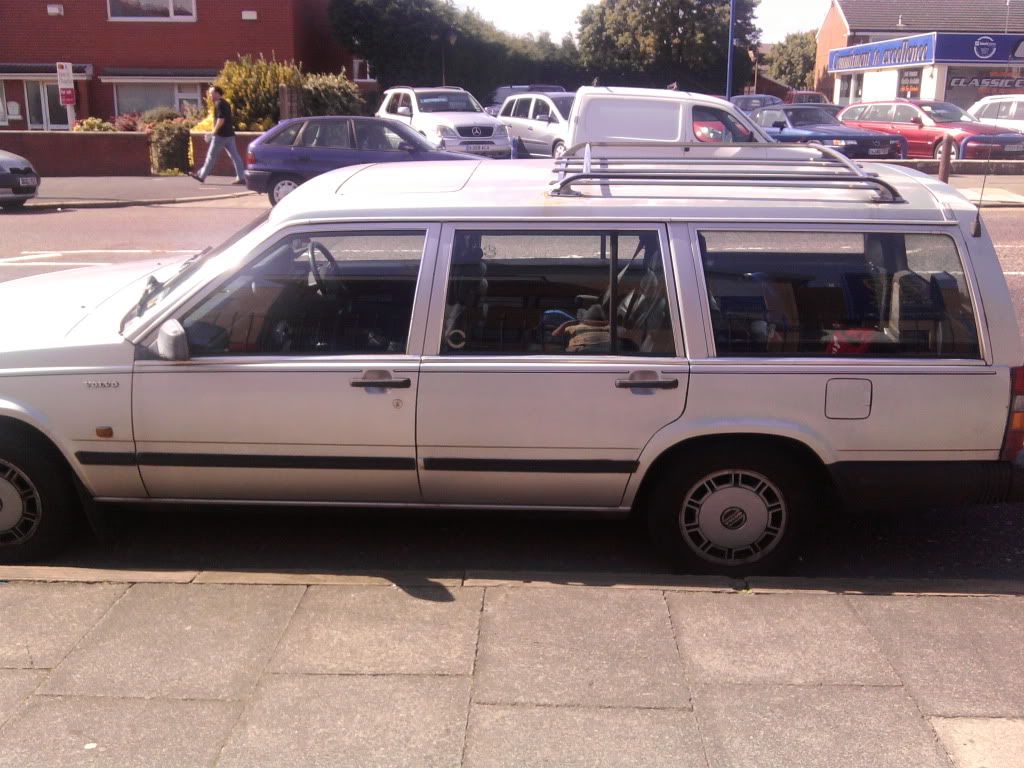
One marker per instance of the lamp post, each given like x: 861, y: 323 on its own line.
x: 728, y: 53
x: 451, y: 37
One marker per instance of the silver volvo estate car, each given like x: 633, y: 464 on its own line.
x: 730, y: 342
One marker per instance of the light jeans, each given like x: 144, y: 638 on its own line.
x: 226, y: 143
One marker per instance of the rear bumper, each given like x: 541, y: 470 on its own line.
x: 895, y: 484
x: 257, y: 181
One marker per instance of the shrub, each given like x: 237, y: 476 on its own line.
x: 93, y: 124
x: 252, y: 84
x: 331, y: 95
x: 127, y: 122
x: 158, y: 115
x: 169, y: 147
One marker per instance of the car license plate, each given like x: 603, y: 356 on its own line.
x: 26, y: 181
x: 878, y: 151
x: 476, y: 147
x: 1014, y: 147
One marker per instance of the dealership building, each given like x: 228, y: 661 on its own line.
x: 921, y: 49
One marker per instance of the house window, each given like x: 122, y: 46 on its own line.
x: 45, y: 112
x: 3, y: 105
x: 138, y: 97
x: 362, y: 71
x: 152, y: 10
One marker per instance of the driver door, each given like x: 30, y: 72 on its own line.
x: 302, y: 375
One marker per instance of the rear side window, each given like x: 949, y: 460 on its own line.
x: 287, y: 136
x: 878, y: 113
x: 821, y: 294
x: 522, y: 108
x: 557, y: 293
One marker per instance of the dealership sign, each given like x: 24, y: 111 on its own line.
x: 957, y: 48
x: 932, y: 48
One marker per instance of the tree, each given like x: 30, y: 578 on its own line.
x: 792, y: 60
x: 654, y: 42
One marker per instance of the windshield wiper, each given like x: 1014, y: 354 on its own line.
x: 152, y: 286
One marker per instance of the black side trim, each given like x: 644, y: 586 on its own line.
x: 566, y: 466
x: 106, y: 459
x: 272, y: 462
x: 894, y: 484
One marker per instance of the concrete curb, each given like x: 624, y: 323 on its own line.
x: 131, y: 203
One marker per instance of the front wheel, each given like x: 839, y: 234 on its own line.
x: 38, y: 504
x: 731, y: 510
x: 281, y: 187
x: 558, y: 150
x: 954, y: 151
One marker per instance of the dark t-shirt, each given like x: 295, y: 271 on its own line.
x: 223, y: 110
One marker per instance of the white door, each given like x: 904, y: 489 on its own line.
x: 45, y: 111
x: 553, y: 356
x: 303, y: 376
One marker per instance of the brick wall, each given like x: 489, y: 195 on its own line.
x: 223, y: 166
x: 63, y: 153
x: 833, y: 34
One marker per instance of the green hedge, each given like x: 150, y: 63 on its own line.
x: 168, y: 147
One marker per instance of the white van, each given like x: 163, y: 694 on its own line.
x: 731, y: 347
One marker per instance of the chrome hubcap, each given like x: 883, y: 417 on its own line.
x: 559, y: 150
x: 733, y: 516
x: 20, y: 505
x: 283, y: 188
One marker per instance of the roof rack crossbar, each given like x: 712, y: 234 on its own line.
x: 830, y: 169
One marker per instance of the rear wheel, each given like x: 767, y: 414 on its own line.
x: 38, y: 503
x: 282, y: 186
x: 954, y: 151
x: 731, y: 510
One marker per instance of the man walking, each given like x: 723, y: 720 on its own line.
x: 223, y: 138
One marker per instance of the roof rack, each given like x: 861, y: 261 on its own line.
x: 830, y: 169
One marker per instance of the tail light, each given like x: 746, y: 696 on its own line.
x: 250, y: 158
x: 1013, y: 442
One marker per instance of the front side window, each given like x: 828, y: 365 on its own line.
x: 904, y: 113
x: 506, y: 111
x: 557, y: 293
x: 821, y: 294
x: 339, y: 293
x: 541, y: 109
x: 374, y: 135
x: 878, y: 113
x: 769, y: 117
x: 152, y: 10
x: 716, y: 126
x: 522, y: 108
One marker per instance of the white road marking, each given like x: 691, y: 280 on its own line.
x: 1014, y: 274
x: 4, y: 264
x: 107, y: 250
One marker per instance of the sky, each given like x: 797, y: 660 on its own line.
x: 776, y: 18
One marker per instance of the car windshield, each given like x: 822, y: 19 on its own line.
x: 447, y: 101
x: 811, y: 116
x: 155, y: 292
x: 943, y: 112
x: 563, y: 104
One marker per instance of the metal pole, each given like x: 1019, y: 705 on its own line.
x: 728, y: 53
x: 444, y: 77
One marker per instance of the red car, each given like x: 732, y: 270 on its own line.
x: 924, y: 124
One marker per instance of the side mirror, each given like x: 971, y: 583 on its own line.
x: 917, y: 120
x: 780, y: 124
x: 406, y: 147
x: 171, y: 342
x: 404, y: 112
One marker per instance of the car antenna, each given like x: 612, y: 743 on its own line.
x: 976, y: 230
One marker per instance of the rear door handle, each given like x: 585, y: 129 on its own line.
x: 382, y: 383
x: 647, y: 383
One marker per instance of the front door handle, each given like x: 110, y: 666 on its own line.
x: 647, y: 383
x: 382, y: 383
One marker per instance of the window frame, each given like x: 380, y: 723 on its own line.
x: 171, y: 18
x: 948, y: 230
x: 182, y: 90
x: 4, y: 120
x: 435, y: 322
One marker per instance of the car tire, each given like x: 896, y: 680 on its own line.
x: 39, y: 507
x: 954, y: 152
x: 558, y: 149
x: 281, y: 186
x: 13, y: 205
x: 731, y: 509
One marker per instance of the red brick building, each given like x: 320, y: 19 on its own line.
x: 131, y: 55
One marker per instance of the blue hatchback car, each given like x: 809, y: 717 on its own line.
x: 817, y: 122
x: 296, y: 150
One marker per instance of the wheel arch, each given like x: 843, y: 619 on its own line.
x: 20, y: 422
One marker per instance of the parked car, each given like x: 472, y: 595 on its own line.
x: 296, y: 150
x: 449, y: 118
x: 752, y: 344
x: 806, y: 97
x: 19, y: 181
x: 540, y: 121
x: 1005, y: 111
x: 749, y: 102
x: 659, y: 116
x: 809, y: 122
x: 501, y: 93
x: 924, y: 124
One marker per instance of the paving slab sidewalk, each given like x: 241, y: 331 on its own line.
x: 116, y: 191
x: 527, y: 673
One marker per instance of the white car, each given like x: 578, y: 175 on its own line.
x: 1006, y: 111
x: 539, y: 120
x: 658, y: 116
x: 730, y: 345
x: 19, y: 181
x: 448, y: 117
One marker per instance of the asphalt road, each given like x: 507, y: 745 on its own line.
x: 981, y: 542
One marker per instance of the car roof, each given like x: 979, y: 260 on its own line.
x: 655, y: 93
x: 517, y: 190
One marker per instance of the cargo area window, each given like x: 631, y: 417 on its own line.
x: 557, y: 293
x: 314, y: 294
x: 815, y: 294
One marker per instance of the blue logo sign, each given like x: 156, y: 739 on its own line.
x: 901, y: 52
x: 985, y: 47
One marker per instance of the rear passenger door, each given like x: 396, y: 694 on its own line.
x: 553, y: 356
x: 866, y: 342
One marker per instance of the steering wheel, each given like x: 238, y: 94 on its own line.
x: 314, y: 271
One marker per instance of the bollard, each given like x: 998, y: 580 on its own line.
x: 945, y: 162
